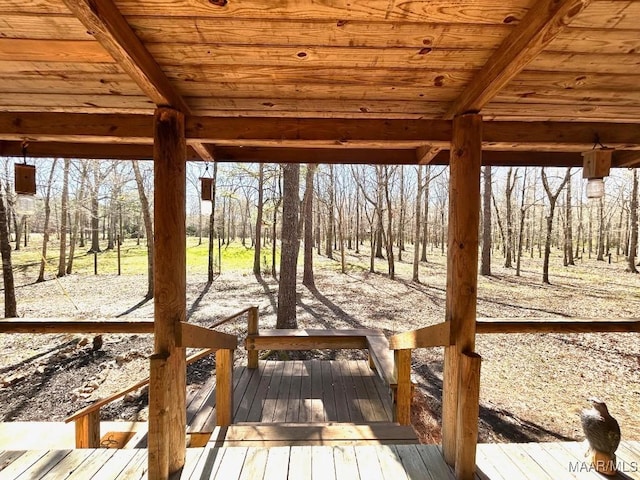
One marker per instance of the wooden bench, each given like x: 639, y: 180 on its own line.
x: 380, y: 356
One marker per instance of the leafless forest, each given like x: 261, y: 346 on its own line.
x: 90, y: 204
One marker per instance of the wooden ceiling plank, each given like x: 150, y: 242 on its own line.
x: 43, y: 27
x: 197, y: 54
x: 114, y: 33
x: 22, y: 50
x: 437, y: 11
x: 287, y: 32
x: 540, y: 25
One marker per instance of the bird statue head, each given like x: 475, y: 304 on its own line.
x: 599, y: 405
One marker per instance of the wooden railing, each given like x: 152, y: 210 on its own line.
x: 87, y: 420
x: 469, y: 365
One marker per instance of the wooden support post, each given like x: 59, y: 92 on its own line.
x: 88, y: 430
x: 169, y: 153
x: 252, y: 329
x: 468, y: 410
x: 159, y: 421
x: 402, y: 363
x: 224, y: 387
x: 462, y: 264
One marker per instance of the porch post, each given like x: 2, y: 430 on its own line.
x: 167, y: 389
x: 462, y: 265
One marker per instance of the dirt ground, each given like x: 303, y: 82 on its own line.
x: 533, y: 386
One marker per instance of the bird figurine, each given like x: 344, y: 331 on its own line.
x: 603, y: 434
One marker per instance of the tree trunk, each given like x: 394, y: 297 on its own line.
x: 379, y: 200
x: 523, y: 213
x: 212, y: 225
x: 511, y: 183
x: 307, y: 276
x: 633, y: 242
x: 286, y: 317
x: 22, y: 224
x: 401, y: 216
x: 330, y: 216
x: 416, y: 241
x: 148, y: 227
x: 274, y: 229
x: 425, y: 225
x: 47, y: 215
x: 76, y: 217
x: 553, y: 197
x: 485, y: 263
x: 95, y: 219
x: 390, y: 260
x: 499, y: 220
x: 64, y: 208
x: 601, y: 230
x: 10, y: 307
x: 258, y: 244
x: 569, y: 235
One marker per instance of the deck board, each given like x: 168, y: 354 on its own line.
x: 411, y: 462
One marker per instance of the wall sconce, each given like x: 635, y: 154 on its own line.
x: 596, y: 165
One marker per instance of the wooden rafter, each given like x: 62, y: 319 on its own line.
x: 536, y: 30
x: 426, y: 153
x: 105, y: 22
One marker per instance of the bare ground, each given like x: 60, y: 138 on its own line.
x: 533, y: 386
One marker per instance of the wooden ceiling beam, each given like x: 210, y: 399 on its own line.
x: 626, y: 159
x: 115, y: 151
x: 105, y: 22
x: 317, y: 132
x: 542, y: 23
x: 90, y: 151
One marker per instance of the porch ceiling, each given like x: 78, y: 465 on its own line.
x: 359, y: 81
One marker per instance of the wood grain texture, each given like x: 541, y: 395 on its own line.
x: 467, y: 421
x: 88, y: 430
x: 437, y: 335
x: 196, y: 336
x: 556, y: 325
x: 29, y: 50
x: 540, y: 25
x: 224, y: 387
x: 170, y: 274
x: 462, y: 264
x: 402, y: 360
x: 104, y: 21
x: 58, y: 325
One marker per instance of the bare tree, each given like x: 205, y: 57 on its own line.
x: 63, y: 220
x: 330, y: 216
x: 569, y: 227
x: 386, y: 178
x: 260, y: 206
x: 286, y: 317
x: 523, y: 214
x: 510, y: 185
x: 485, y: 264
x: 307, y: 275
x: 47, y: 215
x: 10, y: 307
x: 76, y: 216
x: 633, y: 242
x: 148, y: 227
x: 553, y: 197
x: 416, y: 246
x: 212, y: 224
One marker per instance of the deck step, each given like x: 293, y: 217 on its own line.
x: 279, y: 434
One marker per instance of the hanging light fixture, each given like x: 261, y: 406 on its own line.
x: 25, y: 185
x: 596, y: 165
x: 206, y: 186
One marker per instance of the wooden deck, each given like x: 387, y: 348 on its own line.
x: 312, y: 391
x: 539, y: 461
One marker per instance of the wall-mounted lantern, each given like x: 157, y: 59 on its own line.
x: 206, y: 186
x: 25, y: 185
x: 596, y: 165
